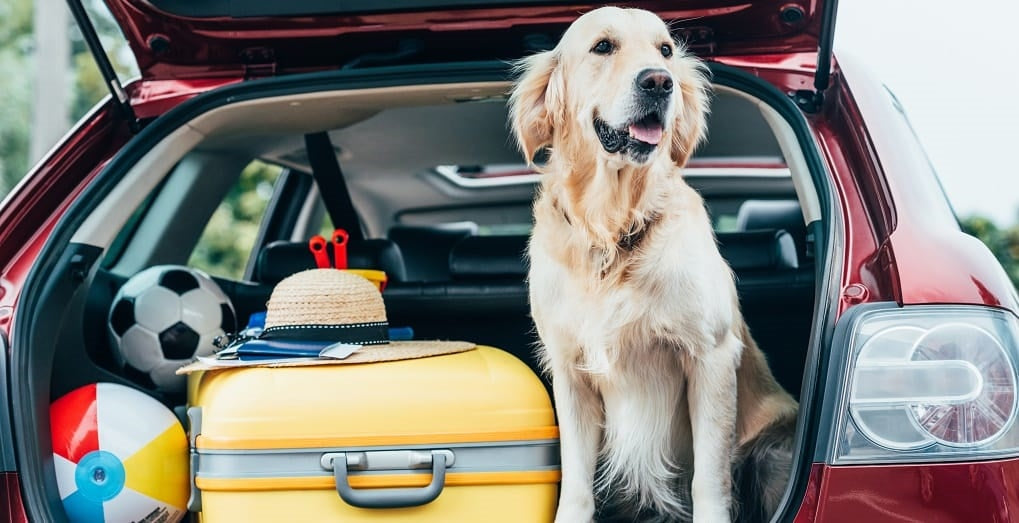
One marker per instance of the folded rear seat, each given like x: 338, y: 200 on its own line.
x: 779, y: 307
x: 485, y: 301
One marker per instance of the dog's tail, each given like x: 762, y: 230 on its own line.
x: 762, y: 468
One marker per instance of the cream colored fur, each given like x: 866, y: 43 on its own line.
x: 652, y: 366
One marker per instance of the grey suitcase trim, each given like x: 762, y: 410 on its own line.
x: 538, y: 455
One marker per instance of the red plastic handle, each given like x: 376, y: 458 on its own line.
x: 340, y: 238
x: 317, y: 245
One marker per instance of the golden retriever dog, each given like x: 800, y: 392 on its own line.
x: 665, y: 403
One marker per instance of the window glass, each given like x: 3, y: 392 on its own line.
x: 228, y: 239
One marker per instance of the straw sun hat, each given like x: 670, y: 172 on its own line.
x: 322, y: 307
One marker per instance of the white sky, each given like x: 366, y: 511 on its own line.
x: 953, y: 65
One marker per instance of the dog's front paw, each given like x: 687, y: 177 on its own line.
x: 717, y: 513
x: 575, y: 512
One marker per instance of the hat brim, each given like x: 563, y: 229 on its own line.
x: 392, y: 351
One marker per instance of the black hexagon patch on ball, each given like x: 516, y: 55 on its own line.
x: 122, y: 317
x: 226, y: 320
x: 178, y: 281
x: 179, y: 342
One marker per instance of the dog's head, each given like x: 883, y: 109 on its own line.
x: 617, y: 81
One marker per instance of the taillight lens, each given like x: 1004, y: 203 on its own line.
x: 930, y: 382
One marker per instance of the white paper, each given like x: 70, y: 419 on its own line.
x: 339, y: 351
x: 213, y: 362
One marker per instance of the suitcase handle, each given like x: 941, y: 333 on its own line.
x: 388, y: 498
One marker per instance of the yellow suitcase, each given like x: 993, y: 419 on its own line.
x: 459, y: 437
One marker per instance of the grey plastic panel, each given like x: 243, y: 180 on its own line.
x: 194, y: 417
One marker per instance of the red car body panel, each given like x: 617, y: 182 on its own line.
x: 174, y: 47
x: 934, y: 492
x: 31, y: 210
x: 900, y: 243
x: 11, y: 508
x: 152, y: 98
x: 934, y: 261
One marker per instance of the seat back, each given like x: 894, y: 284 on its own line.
x: 486, y: 298
x: 426, y: 248
x: 281, y: 259
x: 776, y: 214
x: 489, y: 258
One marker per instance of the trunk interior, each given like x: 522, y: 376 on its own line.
x: 444, y: 204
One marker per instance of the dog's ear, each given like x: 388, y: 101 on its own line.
x: 535, y: 103
x: 689, y: 125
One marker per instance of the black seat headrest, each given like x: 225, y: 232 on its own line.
x: 770, y: 214
x: 760, y: 250
x: 427, y: 247
x: 489, y: 257
x: 281, y: 259
x: 775, y: 214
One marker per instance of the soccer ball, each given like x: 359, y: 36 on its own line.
x: 163, y: 317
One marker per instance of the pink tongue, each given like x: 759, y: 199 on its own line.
x: 651, y: 135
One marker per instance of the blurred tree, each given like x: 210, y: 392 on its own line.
x: 51, y: 76
x: 16, y: 78
x: 1003, y: 243
x: 15, y: 84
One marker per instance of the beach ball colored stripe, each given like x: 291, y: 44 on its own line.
x: 119, y: 455
x: 74, y: 424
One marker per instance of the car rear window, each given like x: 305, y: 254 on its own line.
x: 228, y: 239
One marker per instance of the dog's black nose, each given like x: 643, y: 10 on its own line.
x: 654, y: 81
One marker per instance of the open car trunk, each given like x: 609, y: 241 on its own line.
x: 95, y: 248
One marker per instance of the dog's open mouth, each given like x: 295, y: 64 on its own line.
x: 638, y: 138
x: 648, y: 129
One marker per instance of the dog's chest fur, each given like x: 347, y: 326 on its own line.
x: 630, y: 331
x: 668, y: 291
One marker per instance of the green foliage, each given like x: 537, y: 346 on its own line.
x: 15, y: 48
x: 17, y: 69
x: 227, y: 240
x: 1003, y: 243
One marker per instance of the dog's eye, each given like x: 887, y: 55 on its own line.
x: 666, y: 50
x: 603, y: 47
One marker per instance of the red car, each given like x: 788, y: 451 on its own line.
x: 896, y: 331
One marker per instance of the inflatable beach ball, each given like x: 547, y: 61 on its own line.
x: 119, y: 455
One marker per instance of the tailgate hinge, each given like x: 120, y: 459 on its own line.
x: 812, y: 101
x: 699, y: 40
x: 259, y: 62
